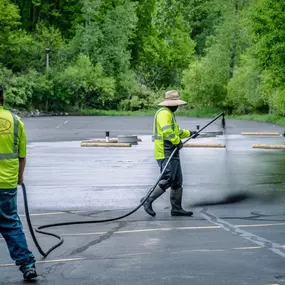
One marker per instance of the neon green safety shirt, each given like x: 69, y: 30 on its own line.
x: 167, y: 134
x: 12, y: 147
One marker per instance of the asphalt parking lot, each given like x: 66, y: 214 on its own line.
x: 224, y: 243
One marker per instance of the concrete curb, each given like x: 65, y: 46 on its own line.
x: 207, y: 145
x: 268, y: 146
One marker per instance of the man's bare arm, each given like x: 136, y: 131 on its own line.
x: 22, y: 164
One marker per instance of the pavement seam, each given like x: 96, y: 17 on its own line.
x: 272, y: 246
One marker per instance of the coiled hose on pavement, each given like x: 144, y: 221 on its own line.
x: 39, y: 229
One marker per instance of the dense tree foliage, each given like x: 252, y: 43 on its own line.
x: 122, y: 54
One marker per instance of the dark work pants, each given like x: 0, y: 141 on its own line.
x: 172, y: 176
x: 12, y: 231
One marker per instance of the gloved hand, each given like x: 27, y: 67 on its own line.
x: 194, y: 134
x: 180, y: 145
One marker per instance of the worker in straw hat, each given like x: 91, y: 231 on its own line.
x: 167, y: 136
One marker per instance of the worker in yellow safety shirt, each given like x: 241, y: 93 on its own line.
x: 167, y: 136
x: 12, y: 164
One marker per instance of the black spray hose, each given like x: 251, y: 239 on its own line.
x: 44, y: 254
x: 39, y: 229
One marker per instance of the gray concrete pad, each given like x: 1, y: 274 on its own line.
x: 239, y: 243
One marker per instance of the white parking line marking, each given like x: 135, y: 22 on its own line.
x: 272, y: 246
x: 146, y: 230
x: 260, y: 225
x: 61, y: 125
x: 48, y: 261
x: 44, y: 214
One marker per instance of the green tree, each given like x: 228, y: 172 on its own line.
x: 122, y: 53
x: 14, y: 43
x: 244, y: 95
x: 223, y: 52
x: 84, y: 85
x: 63, y: 14
x: 106, y: 33
x: 268, y: 27
x: 167, y: 48
x: 203, y: 17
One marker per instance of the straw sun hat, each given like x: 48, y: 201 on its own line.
x: 171, y: 99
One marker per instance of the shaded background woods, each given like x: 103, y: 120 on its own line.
x: 122, y: 54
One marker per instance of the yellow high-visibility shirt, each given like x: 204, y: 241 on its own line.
x: 167, y: 134
x: 12, y: 147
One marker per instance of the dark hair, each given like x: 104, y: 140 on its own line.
x: 1, y: 95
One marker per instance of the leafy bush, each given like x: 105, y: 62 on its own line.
x: 26, y: 90
x: 244, y: 94
x: 82, y: 84
x: 200, y: 90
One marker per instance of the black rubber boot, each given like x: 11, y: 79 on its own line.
x: 30, y: 274
x: 176, y: 200
x: 148, y: 203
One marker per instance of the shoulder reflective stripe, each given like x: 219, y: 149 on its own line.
x: 166, y: 128
x: 8, y: 156
x: 155, y: 121
x: 170, y: 137
x: 16, y: 130
x: 14, y: 154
